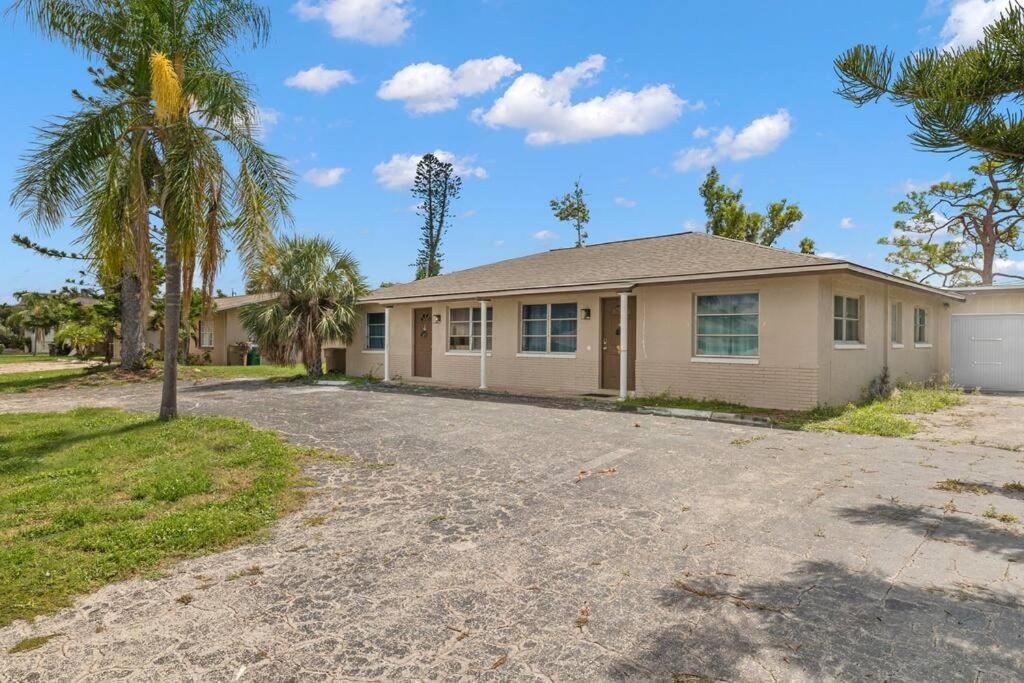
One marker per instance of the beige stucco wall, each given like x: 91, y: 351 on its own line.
x: 506, y: 368
x: 227, y: 331
x: 799, y: 365
x: 991, y: 302
x: 846, y: 370
x: 785, y: 375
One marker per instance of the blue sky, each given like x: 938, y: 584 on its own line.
x: 646, y: 95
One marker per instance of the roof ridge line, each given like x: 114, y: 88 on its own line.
x: 765, y: 246
x: 630, y: 239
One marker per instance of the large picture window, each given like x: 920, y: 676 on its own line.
x: 846, y: 320
x: 375, y: 331
x: 464, y: 329
x: 727, y: 325
x: 548, y: 328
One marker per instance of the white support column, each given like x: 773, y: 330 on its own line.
x: 483, y: 343
x: 623, y: 345
x: 387, y: 343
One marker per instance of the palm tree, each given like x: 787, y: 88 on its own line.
x: 318, y: 286
x: 173, y: 132
x: 40, y: 313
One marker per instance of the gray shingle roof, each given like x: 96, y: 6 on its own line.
x: 679, y: 255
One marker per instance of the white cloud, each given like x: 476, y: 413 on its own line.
x: 627, y: 203
x: 1006, y: 265
x: 911, y: 185
x: 377, y: 22
x: 266, y: 120
x: 319, y: 79
x: 469, y: 213
x: 499, y: 243
x: 426, y: 88
x: 544, y: 235
x: 967, y: 20
x: 324, y: 177
x: 701, y: 132
x: 759, y: 137
x: 846, y: 223
x: 544, y: 107
x: 398, y: 172
x: 831, y: 254
x: 690, y: 224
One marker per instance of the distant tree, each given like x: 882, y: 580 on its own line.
x: 728, y: 216
x: 387, y: 283
x: 962, y: 99
x: 956, y: 230
x: 436, y: 186
x: 318, y: 286
x: 807, y: 246
x: 80, y: 336
x: 39, y: 313
x: 107, y: 314
x: 572, y: 208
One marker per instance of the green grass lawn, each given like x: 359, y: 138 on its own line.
x: 96, y: 495
x: 197, y: 372
x: 882, y: 417
x: 17, y: 382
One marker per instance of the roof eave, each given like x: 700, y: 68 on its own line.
x: 625, y: 285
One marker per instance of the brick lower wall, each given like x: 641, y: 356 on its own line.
x: 752, y: 385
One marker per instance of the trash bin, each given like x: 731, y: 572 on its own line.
x: 254, y: 356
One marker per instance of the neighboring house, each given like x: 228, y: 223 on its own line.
x: 706, y: 317
x: 221, y: 331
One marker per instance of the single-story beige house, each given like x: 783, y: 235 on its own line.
x: 705, y: 317
x: 221, y: 332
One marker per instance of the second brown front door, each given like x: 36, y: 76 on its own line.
x: 611, y: 341
x: 422, y: 342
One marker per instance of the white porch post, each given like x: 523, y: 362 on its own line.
x: 387, y: 343
x: 483, y: 343
x: 623, y: 345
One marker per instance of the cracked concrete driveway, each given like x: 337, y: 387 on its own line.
x: 475, y: 549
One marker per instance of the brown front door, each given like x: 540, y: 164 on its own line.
x: 610, y: 344
x: 422, y: 343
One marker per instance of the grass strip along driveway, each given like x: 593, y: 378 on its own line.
x: 95, y: 495
x: 881, y: 417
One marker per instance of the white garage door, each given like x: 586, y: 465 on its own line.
x: 988, y: 352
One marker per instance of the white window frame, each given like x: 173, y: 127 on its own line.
x: 547, y: 330
x: 719, y: 357
x: 368, y: 336
x: 896, y: 324
x: 490, y: 331
x: 206, y: 337
x: 925, y: 340
x: 845, y: 343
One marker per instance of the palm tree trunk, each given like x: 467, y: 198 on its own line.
x: 187, y: 274
x: 311, y: 358
x: 133, y: 346
x: 172, y: 327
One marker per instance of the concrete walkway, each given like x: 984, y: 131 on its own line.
x: 506, y: 541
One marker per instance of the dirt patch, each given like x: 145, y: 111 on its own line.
x: 38, y: 366
x: 981, y: 419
